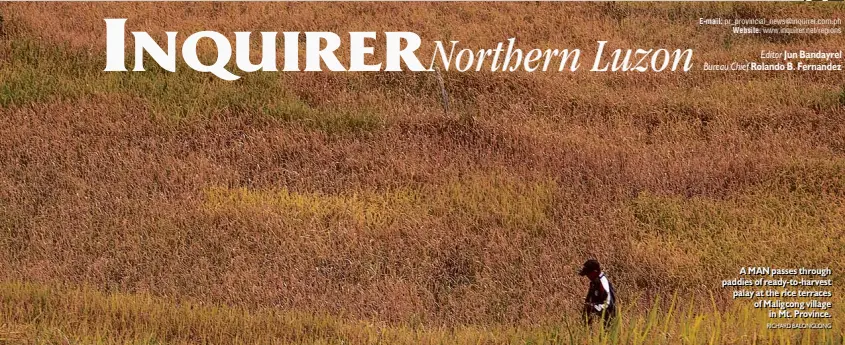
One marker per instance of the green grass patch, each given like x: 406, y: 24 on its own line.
x: 343, y: 121
x: 40, y: 73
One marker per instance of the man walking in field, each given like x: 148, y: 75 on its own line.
x: 601, y: 298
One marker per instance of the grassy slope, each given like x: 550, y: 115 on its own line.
x: 351, y: 194
x: 56, y: 315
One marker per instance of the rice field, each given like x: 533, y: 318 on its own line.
x: 349, y: 208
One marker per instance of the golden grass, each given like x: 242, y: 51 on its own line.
x: 40, y: 314
x: 479, y: 199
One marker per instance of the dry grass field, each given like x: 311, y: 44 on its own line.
x: 338, y: 208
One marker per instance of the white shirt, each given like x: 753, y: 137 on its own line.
x: 606, y: 285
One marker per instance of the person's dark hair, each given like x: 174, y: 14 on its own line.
x: 590, y: 266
